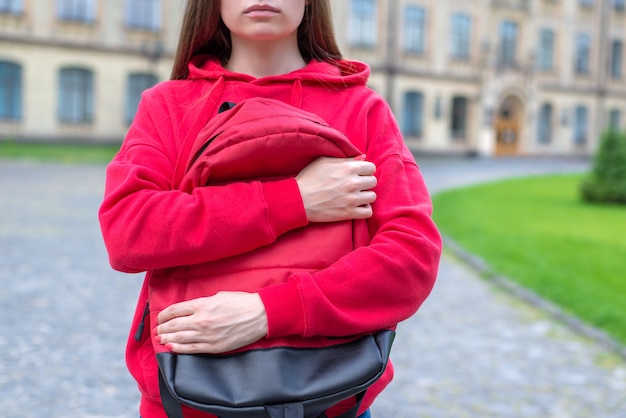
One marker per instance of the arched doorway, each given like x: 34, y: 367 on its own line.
x: 508, y: 126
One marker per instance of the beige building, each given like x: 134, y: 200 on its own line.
x: 74, y: 69
x: 488, y: 77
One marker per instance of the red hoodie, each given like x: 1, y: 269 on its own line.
x: 149, y: 225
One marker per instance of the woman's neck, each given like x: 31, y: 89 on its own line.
x: 263, y: 59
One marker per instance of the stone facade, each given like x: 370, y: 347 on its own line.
x: 519, y: 92
x: 487, y: 77
x: 102, y: 43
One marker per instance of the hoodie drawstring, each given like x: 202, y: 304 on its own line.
x: 296, y: 94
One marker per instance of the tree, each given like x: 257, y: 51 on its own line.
x: 607, y: 181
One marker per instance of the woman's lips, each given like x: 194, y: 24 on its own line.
x: 261, y: 10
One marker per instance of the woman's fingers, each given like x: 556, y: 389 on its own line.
x: 222, y: 322
x: 336, y: 189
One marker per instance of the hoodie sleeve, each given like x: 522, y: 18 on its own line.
x: 147, y: 225
x: 383, y: 283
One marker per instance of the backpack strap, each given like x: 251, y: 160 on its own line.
x: 172, y: 407
x: 288, y: 410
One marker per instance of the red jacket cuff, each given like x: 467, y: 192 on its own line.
x: 283, y: 306
x: 285, y: 209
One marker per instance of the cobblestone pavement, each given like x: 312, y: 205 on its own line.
x: 471, y: 351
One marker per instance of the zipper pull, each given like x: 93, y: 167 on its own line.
x: 142, y: 324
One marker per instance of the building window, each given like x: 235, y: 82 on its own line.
x: 75, y: 95
x: 617, y: 54
x: 619, y: 5
x: 544, y: 134
x: 413, y: 112
x: 581, y: 125
x: 13, y: 7
x: 458, y: 121
x: 76, y: 10
x: 362, y: 24
x: 10, y: 91
x: 583, y: 51
x: 461, y: 36
x: 546, y: 50
x: 137, y: 83
x: 508, y: 42
x: 143, y: 14
x: 414, y: 29
x: 615, y: 120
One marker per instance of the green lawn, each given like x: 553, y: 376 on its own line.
x: 537, y: 232
x: 58, y: 152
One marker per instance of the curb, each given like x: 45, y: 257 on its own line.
x: 519, y: 292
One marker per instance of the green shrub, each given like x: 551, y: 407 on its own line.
x: 607, y: 181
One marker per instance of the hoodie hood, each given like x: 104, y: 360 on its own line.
x: 343, y: 72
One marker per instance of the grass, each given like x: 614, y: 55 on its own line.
x: 538, y: 233
x: 58, y: 152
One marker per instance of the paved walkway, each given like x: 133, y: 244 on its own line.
x: 471, y: 351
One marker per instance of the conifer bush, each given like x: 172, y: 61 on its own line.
x: 607, y: 181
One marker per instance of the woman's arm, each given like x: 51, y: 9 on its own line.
x: 147, y: 225
x: 376, y: 286
x: 384, y: 282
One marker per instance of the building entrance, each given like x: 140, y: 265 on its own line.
x: 508, y: 126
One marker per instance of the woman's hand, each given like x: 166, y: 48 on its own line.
x: 337, y: 189
x: 215, y: 324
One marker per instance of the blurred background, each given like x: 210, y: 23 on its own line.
x: 534, y: 327
x: 485, y: 77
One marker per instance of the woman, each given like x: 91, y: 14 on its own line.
x: 283, y: 50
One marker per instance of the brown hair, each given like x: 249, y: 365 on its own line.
x: 203, y: 32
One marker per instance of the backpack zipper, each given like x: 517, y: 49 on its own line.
x: 201, y: 150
